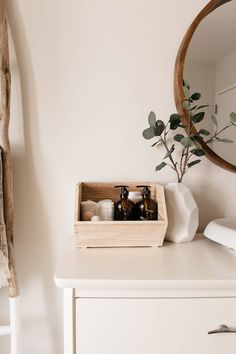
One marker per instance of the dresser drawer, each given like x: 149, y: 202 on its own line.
x: 154, y: 326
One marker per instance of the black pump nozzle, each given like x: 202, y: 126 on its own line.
x: 124, y: 192
x: 146, y: 190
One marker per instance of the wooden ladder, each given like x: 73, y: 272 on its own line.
x: 5, y: 91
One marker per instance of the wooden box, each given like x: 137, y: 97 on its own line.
x: 118, y: 233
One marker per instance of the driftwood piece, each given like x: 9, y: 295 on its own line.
x: 5, y: 87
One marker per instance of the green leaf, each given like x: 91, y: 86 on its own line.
x: 225, y: 140
x: 185, y: 83
x: 186, y: 105
x: 198, y: 152
x: 178, y: 137
x: 159, y: 142
x: 190, y: 164
x: 148, y: 133
x: 214, y: 120
x: 159, y: 127
x: 175, y: 120
x: 203, y: 132
x: 159, y: 167
x: 196, y: 96
x: 233, y: 117
x: 152, y: 119
x: 169, y: 152
x: 197, y: 139
x: 186, y: 92
x: 187, y: 142
x: 198, y: 117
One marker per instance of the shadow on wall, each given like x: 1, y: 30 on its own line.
x: 32, y: 234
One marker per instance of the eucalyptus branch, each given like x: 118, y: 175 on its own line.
x: 185, y: 163
x: 190, y: 141
x: 217, y: 133
x: 174, y: 164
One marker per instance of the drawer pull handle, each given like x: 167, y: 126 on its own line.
x: 223, y: 329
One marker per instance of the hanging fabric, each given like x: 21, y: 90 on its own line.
x: 6, y: 180
x: 4, y: 269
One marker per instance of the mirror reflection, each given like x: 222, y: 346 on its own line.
x: 210, y: 68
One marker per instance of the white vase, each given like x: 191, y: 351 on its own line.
x: 182, y: 212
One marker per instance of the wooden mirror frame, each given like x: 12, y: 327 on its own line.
x: 178, y: 80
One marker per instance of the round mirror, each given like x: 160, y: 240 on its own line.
x: 206, y: 62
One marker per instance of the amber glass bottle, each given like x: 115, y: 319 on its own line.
x: 147, y: 209
x: 124, y: 208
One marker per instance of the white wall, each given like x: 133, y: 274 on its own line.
x: 225, y: 72
x: 90, y: 73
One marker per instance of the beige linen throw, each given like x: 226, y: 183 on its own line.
x: 4, y: 270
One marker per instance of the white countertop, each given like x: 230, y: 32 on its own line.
x: 198, y: 268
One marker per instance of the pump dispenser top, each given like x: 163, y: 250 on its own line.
x: 124, y: 208
x: 147, y: 209
x: 124, y: 192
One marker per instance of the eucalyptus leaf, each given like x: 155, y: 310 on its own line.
x: 197, y: 139
x: 186, y: 105
x: 187, y: 142
x: 159, y: 142
x: 196, y: 96
x: 178, y: 137
x: 198, y: 152
x: 185, y: 83
x: 233, y: 117
x: 192, y: 163
x: 159, y: 167
x: 186, y: 92
x: 152, y: 119
x: 225, y: 140
x: 159, y: 127
x: 214, y: 120
x: 203, y: 132
x: 148, y: 133
x: 175, y: 121
x: 198, y: 117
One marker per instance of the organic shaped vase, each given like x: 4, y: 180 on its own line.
x: 182, y: 212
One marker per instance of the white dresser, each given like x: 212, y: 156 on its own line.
x: 149, y: 300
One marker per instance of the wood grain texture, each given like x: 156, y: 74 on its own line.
x: 178, y: 79
x: 5, y: 86
x: 118, y: 233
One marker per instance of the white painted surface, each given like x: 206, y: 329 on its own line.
x: 91, y: 71
x: 166, y: 326
x: 15, y: 321
x: 222, y: 231
x: 171, y: 270
x: 69, y: 320
x: 182, y: 211
x: 14, y: 329
x: 5, y: 330
x: 128, y: 300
